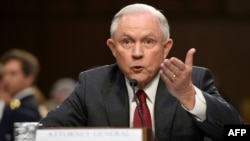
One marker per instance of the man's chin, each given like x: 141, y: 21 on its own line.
x: 137, y: 77
x: 141, y: 82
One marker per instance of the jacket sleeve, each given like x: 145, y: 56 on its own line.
x: 219, y: 112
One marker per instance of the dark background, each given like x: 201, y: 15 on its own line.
x: 69, y: 36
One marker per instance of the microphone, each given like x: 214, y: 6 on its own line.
x: 133, y: 84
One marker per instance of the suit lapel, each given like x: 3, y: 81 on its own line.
x: 165, y: 108
x: 116, y: 101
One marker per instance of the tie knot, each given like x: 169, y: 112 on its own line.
x: 141, y: 96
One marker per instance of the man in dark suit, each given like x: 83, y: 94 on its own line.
x: 182, y: 100
x: 20, y: 69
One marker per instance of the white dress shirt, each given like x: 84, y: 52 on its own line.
x: 199, y: 110
x: 2, y: 104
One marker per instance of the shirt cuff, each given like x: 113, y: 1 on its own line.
x: 200, y: 107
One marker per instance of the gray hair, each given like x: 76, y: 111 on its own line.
x: 64, y: 86
x: 140, y: 8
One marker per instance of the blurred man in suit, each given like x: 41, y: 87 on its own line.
x: 60, y: 90
x: 182, y: 99
x: 20, y: 69
x: 4, y: 97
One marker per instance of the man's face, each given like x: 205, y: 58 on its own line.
x: 139, y: 47
x: 14, y: 79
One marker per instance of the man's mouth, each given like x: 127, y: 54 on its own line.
x: 137, y: 69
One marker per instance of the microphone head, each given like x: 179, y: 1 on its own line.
x: 133, y: 82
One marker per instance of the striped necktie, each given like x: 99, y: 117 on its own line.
x: 141, y: 95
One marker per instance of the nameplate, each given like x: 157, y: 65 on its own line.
x: 89, y: 134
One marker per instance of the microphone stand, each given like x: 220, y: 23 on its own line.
x: 133, y: 84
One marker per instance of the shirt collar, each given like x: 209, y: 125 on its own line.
x: 150, y: 89
x: 25, y: 92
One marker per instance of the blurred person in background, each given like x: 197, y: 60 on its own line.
x: 20, y: 71
x: 4, y: 97
x: 60, y: 90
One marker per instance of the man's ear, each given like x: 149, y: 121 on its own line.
x: 167, y: 46
x: 111, y: 45
x: 29, y: 80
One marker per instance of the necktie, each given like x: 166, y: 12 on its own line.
x: 145, y: 111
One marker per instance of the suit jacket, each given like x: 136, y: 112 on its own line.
x: 27, y: 112
x: 100, y: 99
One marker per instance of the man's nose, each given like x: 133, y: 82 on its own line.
x: 137, y: 51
